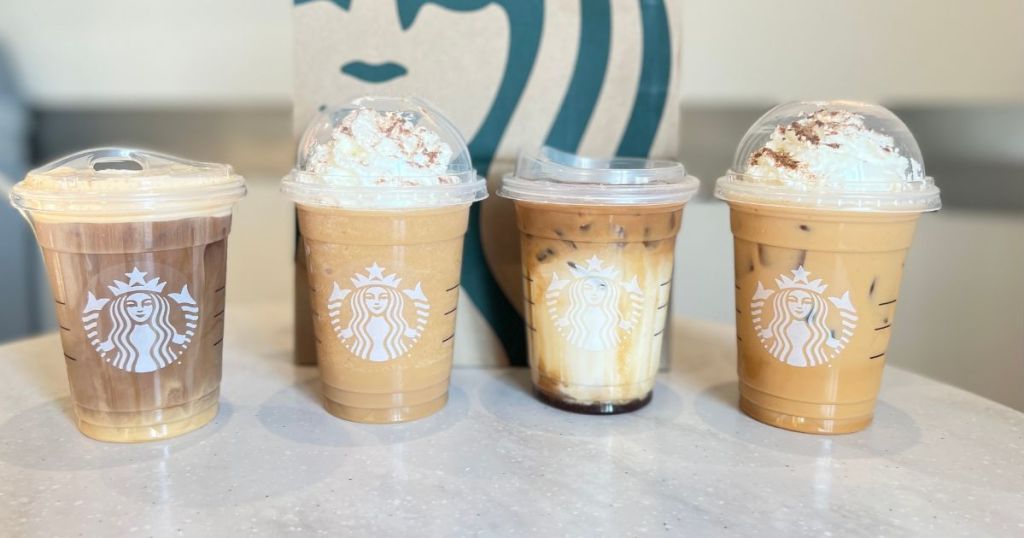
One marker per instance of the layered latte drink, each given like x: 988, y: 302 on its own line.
x: 383, y: 189
x: 135, y: 247
x: 824, y: 200
x: 597, y: 243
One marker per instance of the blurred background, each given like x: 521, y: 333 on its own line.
x: 212, y: 81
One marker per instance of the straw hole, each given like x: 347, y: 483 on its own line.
x: 117, y: 165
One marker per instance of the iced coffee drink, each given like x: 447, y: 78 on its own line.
x: 135, y: 247
x: 597, y: 243
x: 824, y: 200
x: 383, y: 189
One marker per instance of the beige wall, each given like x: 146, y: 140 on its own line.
x: 131, y: 52
x: 895, y: 51
x: 150, y: 52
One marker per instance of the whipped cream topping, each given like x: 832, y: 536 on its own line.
x: 831, y: 147
x: 370, y: 147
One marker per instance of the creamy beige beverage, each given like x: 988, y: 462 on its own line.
x: 823, y: 212
x: 383, y: 191
x: 135, y: 248
x: 597, y: 243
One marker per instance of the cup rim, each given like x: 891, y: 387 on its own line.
x: 310, y: 189
x: 546, y: 174
x: 221, y: 189
x: 864, y: 196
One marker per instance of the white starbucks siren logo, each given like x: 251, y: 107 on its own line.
x: 593, y: 317
x: 799, y: 317
x: 141, y: 336
x: 377, y: 326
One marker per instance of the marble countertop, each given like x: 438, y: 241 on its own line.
x: 937, y: 460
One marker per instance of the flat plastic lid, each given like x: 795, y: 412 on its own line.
x: 383, y: 153
x: 548, y: 175
x: 833, y: 155
x: 110, y: 182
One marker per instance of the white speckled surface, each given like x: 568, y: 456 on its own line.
x: 937, y: 461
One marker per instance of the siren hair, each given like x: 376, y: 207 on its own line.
x: 814, y: 349
x: 394, y: 342
x: 607, y: 335
x: 122, y: 326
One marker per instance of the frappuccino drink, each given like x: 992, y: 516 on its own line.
x: 135, y: 245
x: 824, y: 199
x: 597, y: 241
x: 383, y: 188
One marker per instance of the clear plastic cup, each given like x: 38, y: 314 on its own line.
x: 822, y: 220
x: 598, y: 241
x: 135, y: 245
x: 383, y: 244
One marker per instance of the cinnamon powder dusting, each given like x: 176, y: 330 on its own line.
x: 805, y: 131
x: 784, y: 160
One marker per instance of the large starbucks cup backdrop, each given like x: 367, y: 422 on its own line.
x: 596, y: 77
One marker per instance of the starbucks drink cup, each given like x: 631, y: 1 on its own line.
x: 598, y: 242
x: 383, y: 188
x: 135, y: 246
x: 824, y: 199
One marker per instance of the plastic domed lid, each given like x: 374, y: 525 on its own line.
x: 383, y: 153
x: 548, y: 175
x: 110, y: 183
x: 837, y: 155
